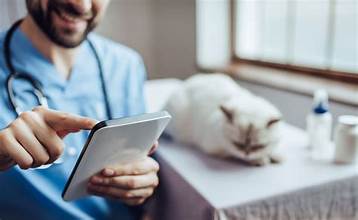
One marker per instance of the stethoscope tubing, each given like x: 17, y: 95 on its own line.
x: 38, y: 89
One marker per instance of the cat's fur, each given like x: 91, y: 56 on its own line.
x: 215, y: 114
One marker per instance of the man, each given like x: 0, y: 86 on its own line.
x: 50, y: 46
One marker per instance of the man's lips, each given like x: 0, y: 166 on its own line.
x: 72, y: 18
x: 70, y: 21
x: 73, y: 21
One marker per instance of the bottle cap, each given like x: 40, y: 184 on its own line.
x: 348, y: 120
x: 320, y: 101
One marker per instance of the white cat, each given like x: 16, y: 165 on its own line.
x: 215, y: 114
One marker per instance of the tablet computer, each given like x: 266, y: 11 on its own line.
x: 111, y: 142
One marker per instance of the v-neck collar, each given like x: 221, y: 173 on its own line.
x: 28, y: 59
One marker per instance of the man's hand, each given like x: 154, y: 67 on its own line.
x: 131, y: 183
x: 35, y: 137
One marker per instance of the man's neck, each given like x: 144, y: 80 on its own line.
x: 62, y: 58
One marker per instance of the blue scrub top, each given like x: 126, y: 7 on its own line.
x: 36, y: 193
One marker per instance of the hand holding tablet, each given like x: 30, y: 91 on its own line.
x: 112, y: 142
x: 131, y: 183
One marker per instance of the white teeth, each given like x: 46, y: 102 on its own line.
x: 69, y: 17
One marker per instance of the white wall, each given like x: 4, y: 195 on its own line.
x: 163, y: 31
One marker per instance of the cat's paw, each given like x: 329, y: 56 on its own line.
x: 271, y: 159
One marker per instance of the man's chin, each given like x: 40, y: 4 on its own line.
x: 68, y: 42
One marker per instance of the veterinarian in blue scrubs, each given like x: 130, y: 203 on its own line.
x: 50, y: 56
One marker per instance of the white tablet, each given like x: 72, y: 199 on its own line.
x: 112, y: 142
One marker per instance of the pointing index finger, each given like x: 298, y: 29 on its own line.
x: 61, y: 121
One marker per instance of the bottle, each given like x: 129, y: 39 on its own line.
x: 319, y: 126
x: 346, y: 139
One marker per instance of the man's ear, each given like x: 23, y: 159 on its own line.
x: 229, y: 114
x: 272, y: 122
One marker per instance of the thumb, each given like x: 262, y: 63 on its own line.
x: 154, y: 148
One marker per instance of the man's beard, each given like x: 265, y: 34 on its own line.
x: 44, y: 19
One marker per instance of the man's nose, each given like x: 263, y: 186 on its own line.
x: 81, y: 6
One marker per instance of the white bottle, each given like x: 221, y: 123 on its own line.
x: 319, y: 126
x: 346, y: 139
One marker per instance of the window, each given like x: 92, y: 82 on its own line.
x: 310, y: 36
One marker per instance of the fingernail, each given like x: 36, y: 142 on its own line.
x: 96, y: 179
x: 108, y: 172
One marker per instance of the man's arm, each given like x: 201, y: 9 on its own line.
x: 35, y: 137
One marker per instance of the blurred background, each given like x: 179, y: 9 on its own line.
x: 260, y: 42
x: 163, y: 31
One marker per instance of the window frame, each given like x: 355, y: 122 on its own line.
x: 327, y: 73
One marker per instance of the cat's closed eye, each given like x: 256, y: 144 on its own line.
x: 272, y: 122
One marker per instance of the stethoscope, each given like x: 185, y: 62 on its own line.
x: 37, y: 87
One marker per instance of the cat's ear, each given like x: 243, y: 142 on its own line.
x: 229, y: 114
x: 272, y: 122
